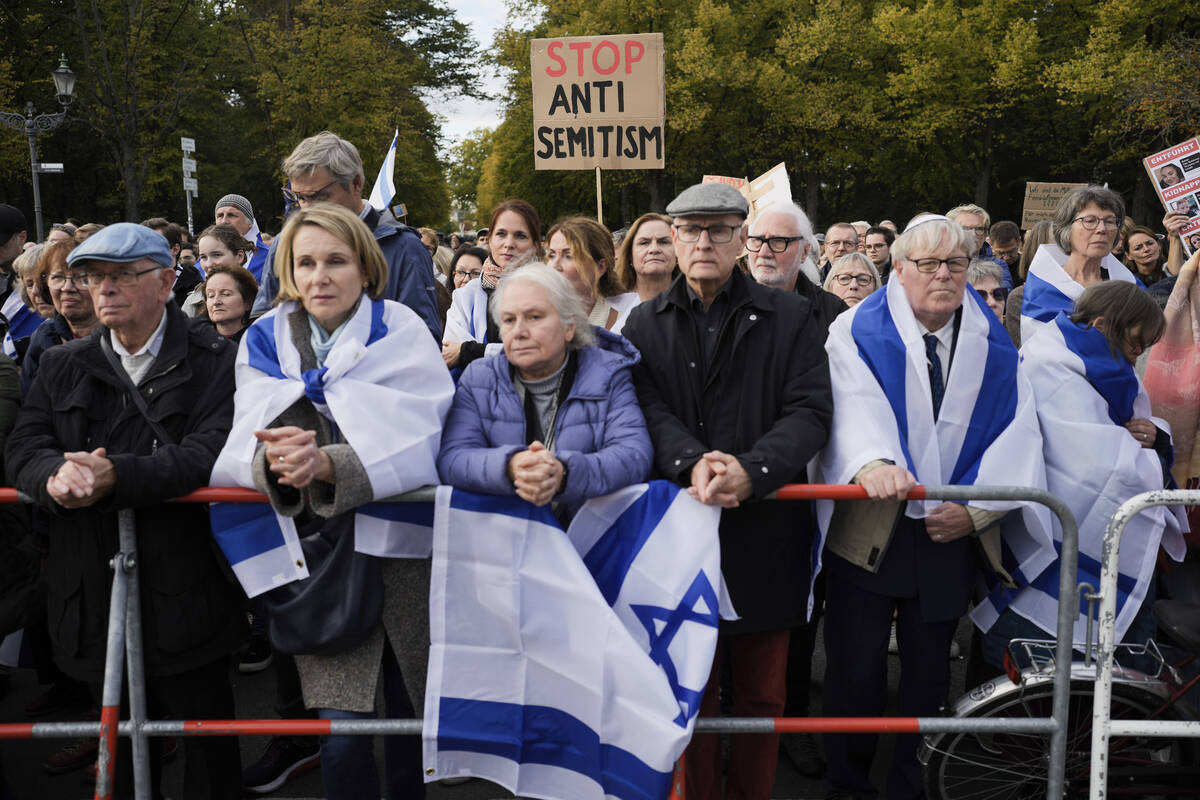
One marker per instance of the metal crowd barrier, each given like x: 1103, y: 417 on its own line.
x: 1103, y: 726
x: 125, y: 644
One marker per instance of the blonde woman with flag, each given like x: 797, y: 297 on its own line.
x: 340, y: 402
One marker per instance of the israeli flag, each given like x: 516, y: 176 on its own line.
x: 385, y: 186
x: 1084, y: 395
x: 1049, y: 289
x: 570, y: 665
x: 22, y: 320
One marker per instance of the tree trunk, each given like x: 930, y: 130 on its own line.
x: 812, y: 196
x: 987, y: 162
x: 654, y: 184
x: 133, y: 183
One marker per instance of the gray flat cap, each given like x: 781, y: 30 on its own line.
x: 709, y: 198
x: 123, y: 242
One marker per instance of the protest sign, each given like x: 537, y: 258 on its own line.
x: 598, y: 102
x: 1175, y: 175
x: 1041, y: 200
x: 772, y: 187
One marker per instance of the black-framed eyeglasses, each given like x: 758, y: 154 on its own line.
x: 717, y: 234
x: 121, y: 277
x: 927, y: 265
x: 308, y: 197
x: 472, y: 275
x: 59, y: 280
x: 1090, y: 222
x: 845, y: 278
x: 999, y: 294
x: 776, y: 244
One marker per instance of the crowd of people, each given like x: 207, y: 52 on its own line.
x: 351, y: 358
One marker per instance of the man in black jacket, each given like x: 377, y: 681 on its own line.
x: 83, y: 450
x: 734, y: 383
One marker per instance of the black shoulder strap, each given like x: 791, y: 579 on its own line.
x: 136, y: 396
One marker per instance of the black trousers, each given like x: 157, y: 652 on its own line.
x: 800, y: 653
x: 857, y: 628
x: 214, y: 763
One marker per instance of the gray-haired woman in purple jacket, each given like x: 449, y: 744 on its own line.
x: 553, y: 418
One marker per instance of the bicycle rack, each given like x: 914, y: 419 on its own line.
x: 1103, y: 726
x: 125, y: 629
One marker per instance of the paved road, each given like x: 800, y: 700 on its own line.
x: 254, y: 693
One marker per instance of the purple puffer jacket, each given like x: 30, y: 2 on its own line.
x: 600, y: 431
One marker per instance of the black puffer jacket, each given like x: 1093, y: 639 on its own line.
x: 189, y: 607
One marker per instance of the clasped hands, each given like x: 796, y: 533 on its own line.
x: 83, y: 479
x: 536, y: 474
x: 293, y: 455
x: 945, y: 523
x: 719, y: 479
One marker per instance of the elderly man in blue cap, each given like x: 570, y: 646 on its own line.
x: 128, y: 418
x: 734, y: 383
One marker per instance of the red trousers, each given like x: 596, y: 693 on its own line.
x: 758, y: 662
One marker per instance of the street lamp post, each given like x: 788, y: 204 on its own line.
x: 31, y: 126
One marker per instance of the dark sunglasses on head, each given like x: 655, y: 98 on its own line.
x: 999, y: 294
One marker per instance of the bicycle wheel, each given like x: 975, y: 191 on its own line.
x: 1008, y: 766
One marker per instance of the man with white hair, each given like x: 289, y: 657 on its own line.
x: 977, y: 221
x: 928, y: 387
x: 779, y: 243
x: 327, y: 168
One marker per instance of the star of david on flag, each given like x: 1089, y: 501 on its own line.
x: 570, y: 666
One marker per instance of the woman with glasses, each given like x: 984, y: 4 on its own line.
x: 74, y: 317
x: 986, y: 278
x: 852, y: 278
x: 515, y: 240
x: 1145, y: 255
x: 582, y: 250
x: 1084, y: 228
x: 467, y: 265
x: 647, y: 259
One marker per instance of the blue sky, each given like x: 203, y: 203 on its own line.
x: 462, y: 115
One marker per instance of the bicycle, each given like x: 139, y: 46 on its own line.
x: 1004, y: 766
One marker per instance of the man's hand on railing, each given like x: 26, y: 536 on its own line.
x: 82, y: 480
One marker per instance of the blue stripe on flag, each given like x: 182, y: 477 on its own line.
x: 378, y: 328
x: 544, y: 735
x: 244, y: 530
x: 1042, y: 301
x: 260, y: 348
x: 1089, y: 572
x: 414, y: 513
x: 883, y: 351
x: 1111, y: 376
x: 509, y: 506
x: 611, y: 556
x: 994, y: 409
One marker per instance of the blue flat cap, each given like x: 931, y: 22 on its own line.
x: 123, y: 242
x: 709, y: 198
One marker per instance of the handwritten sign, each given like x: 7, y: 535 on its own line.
x: 1042, y: 199
x: 598, y: 101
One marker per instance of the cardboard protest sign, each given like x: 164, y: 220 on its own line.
x: 598, y: 101
x: 772, y: 187
x: 1041, y: 200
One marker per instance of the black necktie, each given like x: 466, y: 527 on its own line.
x: 937, y: 385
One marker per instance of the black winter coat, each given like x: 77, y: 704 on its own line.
x: 767, y: 401
x: 190, y: 610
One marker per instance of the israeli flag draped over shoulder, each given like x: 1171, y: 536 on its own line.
x: 1084, y: 397
x: 22, y: 320
x: 1049, y: 289
x: 366, y: 387
x: 986, y: 433
x: 570, y: 666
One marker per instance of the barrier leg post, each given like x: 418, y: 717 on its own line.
x: 1068, y: 612
x: 114, y: 667
x: 133, y: 657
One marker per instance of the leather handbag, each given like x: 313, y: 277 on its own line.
x: 337, y: 606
